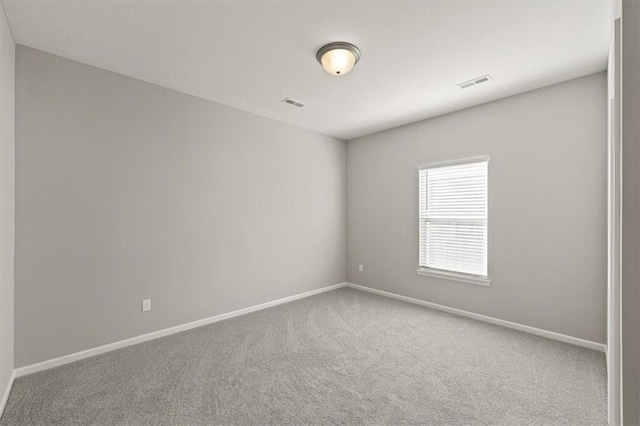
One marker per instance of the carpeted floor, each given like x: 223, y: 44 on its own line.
x: 342, y: 357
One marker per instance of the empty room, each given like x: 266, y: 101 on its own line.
x: 258, y: 212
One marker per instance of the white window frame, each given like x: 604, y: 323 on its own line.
x: 452, y: 275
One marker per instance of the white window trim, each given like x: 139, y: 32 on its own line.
x: 454, y: 276
x: 450, y: 275
x: 455, y: 162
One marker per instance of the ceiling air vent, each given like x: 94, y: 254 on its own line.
x: 475, y: 81
x: 292, y: 102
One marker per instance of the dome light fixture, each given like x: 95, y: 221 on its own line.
x: 338, y: 58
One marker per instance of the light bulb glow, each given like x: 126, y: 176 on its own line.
x: 338, y: 61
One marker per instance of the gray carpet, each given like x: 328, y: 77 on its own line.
x: 343, y: 357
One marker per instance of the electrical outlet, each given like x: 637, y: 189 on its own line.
x: 361, y: 267
x: 146, y: 305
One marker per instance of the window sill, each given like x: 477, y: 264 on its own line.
x: 463, y: 278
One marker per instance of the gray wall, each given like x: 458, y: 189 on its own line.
x: 7, y: 200
x: 547, y: 207
x: 128, y: 191
x: 630, y: 295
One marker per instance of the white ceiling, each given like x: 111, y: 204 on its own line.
x: 252, y: 54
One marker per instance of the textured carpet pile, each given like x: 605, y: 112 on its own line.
x: 342, y: 357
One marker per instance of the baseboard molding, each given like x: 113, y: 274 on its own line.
x: 7, y: 391
x: 66, y: 359
x: 537, y: 331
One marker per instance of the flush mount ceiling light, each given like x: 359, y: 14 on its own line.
x: 338, y: 58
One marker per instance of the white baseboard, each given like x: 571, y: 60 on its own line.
x: 537, y: 331
x: 66, y: 359
x: 5, y: 397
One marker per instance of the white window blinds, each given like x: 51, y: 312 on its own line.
x: 453, y: 217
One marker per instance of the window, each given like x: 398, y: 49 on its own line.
x: 453, y: 221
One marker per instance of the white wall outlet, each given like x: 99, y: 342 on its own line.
x: 146, y: 305
x: 361, y: 267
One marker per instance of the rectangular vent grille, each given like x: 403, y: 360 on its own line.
x: 292, y: 102
x: 475, y: 81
